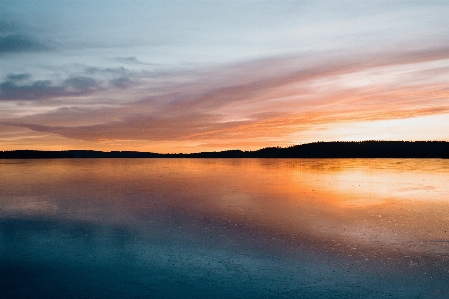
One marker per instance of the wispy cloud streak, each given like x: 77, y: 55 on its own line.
x: 271, y: 98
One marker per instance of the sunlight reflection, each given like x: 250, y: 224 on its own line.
x: 362, y: 202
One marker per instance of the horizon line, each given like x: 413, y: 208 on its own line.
x: 228, y: 150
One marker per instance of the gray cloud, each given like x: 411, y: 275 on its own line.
x: 117, y: 70
x: 11, y: 89
x: 131, y: 59
x: 19, y: 37
x: 18, y: 77
x: 20, y: 86
x: 12, y: 43
x: 7, y: 26
x: 81, y: 83
x: 119, y: 77
x: 121, y: 82
x: 120, y: 72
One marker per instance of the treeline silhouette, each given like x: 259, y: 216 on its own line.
x: 337, y: 149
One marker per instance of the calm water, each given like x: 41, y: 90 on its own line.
x: 224, y: 228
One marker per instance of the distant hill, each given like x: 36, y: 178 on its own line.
x: 338, y: 149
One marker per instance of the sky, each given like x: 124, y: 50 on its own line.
x: 191, y: 76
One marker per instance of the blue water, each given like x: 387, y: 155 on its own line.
x: 153, y: 229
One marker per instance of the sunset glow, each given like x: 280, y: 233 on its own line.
x: 206, y: 75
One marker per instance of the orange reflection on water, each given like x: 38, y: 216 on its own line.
x: 368, y: 207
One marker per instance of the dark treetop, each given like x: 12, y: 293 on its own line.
x: 363, y: 149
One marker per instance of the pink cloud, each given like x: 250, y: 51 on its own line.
x: 269, y: 98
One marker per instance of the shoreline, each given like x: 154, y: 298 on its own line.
x: 363, y: 149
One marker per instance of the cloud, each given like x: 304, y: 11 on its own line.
x: 270, y: 98
x: 18, y: 77
x: 247, y: 80
x: 18, y: 37
x: 116, y: 71
x: 80, y: 84
x: 121, y: 82
x: 130, y: 59
x: 134, y: 126
x: 13, y: 43
x: 83, y: 80
x: 119, y: 77
x: 11, y: 89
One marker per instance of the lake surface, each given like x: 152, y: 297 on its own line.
x: 224, y: 228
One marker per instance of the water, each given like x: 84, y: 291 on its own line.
x: 224, y: 228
